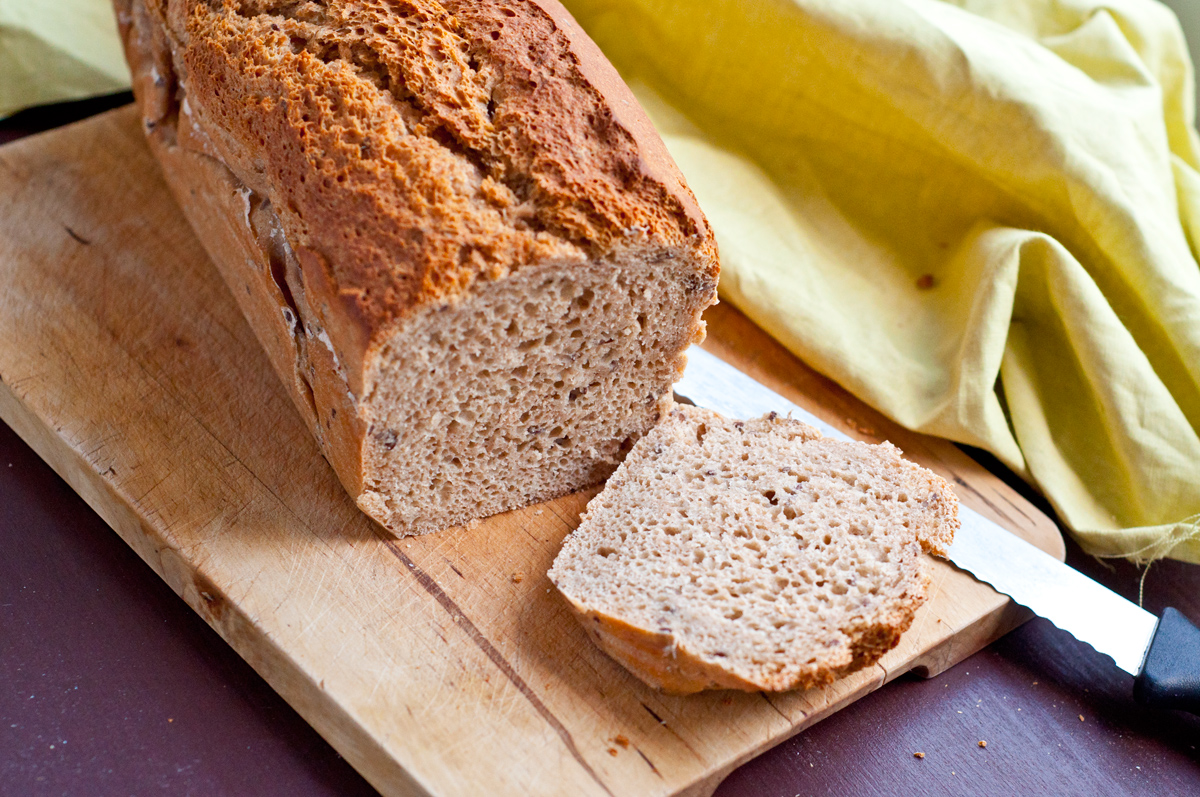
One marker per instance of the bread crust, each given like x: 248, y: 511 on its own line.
x: 351, y: 162
x: 414, y: 148
x: 661, y: 661
x: 655, y: 657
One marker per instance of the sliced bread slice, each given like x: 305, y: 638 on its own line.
x: 753, y: 555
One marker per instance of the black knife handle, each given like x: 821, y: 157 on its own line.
x: 1170, y: 677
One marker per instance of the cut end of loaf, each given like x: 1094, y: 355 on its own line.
x: 753, y: 555
x: 532, y: 389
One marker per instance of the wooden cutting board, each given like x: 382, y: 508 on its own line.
x: 441, y: 665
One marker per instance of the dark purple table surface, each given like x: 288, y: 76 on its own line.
x: 110, y: 684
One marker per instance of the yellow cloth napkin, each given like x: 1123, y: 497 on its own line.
x: 980, y: 216
x: 54, y: 50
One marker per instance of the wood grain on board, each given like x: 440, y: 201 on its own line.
x: 437, y: 665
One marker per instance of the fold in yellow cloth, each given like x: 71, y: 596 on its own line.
x: 55, y: 50
x: 980, y: 217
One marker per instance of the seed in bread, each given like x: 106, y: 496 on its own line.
x: 753, y: 555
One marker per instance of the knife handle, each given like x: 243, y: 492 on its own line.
x: 1170, y: 676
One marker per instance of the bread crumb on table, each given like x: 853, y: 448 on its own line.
x: 1081, y: 718
x: 918, y: 755
x: 621, y: 740
x: 518, y: 577
x: 858, y: 427
x: 982, y: 743
x: 612, y: 751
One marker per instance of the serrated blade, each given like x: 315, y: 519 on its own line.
x: 1089, y: 611
x: 1075, y: 603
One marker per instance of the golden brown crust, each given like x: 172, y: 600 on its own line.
x: 416, y: 147
x: 212, y: 195
x: 658, y: 659
x: 212, y: 192
x: 656, y: 162
x: 655, y: 656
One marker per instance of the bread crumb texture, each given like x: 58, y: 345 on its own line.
x: 753, y: 555
x: 417, y: 146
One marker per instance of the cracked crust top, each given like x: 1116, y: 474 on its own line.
x: 411, y: 148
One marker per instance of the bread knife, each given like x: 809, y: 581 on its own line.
x: 1163, y: 654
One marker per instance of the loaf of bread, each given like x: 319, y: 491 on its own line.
x: 753, y: 555
x: 466, y: 252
